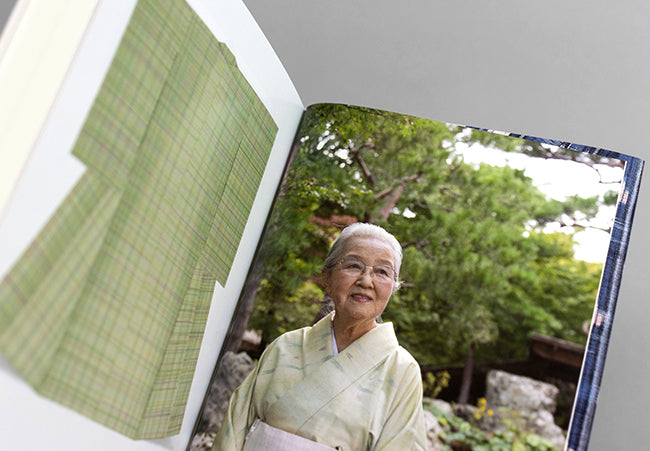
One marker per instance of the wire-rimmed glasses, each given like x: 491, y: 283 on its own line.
x: 355, y: 267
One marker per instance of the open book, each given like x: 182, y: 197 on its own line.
x: 169, y: 149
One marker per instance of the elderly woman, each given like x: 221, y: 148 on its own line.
x: 344, y: 383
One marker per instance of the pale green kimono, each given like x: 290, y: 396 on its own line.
x: 368, y: 397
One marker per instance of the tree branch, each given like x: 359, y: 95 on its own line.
x: 356, y: 156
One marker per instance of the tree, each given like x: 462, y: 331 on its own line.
x: 355, y: 164
x: 479, y: 273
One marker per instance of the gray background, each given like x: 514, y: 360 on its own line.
x: 576, y: 71
x: 5, y: 10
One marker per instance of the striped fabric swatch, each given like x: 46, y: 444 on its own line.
x: 105, y: 311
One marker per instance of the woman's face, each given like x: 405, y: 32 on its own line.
x: 359, y: 298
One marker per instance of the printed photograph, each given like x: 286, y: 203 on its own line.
x: 503, y: 239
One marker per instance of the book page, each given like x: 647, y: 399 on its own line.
x: 512, y: 251
x: 183, y: 113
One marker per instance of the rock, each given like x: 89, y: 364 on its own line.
x: 544, y: 424
x: 431, y: 423
x: 442, y: 406
x: 433, y: 429
x: 519, y: 392
x: 523, y: 402
x: 231, y: 373
x: 203, y: 441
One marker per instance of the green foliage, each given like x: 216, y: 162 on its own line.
x: 610, y: 198
x: 553, y: 294
x: 477, y: 268
x: 434, y: 383
x: 460, y: 434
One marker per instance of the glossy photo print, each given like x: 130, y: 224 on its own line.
x: 513, y: 249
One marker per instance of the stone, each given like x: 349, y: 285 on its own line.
x: 524, y: 402
x: 442, y: 406
x: 203, y: 441
x: 433, y: 429
x: 519, y: 392
x: 231, y: 373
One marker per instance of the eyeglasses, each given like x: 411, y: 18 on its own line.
x: 355, y: 267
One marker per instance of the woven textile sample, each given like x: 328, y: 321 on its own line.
x: 105, y: 311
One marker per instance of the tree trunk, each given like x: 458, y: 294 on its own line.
x: 468, y: 369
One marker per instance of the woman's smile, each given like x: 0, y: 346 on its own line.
x: 361, y: 298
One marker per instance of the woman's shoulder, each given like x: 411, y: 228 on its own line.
x: 405, y: 360
x: 291, y: 337
x: 399, y: 355
x: 299, y: 337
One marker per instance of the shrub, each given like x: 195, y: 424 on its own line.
x: 460, y: 434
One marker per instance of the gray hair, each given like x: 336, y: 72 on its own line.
x: 358, y: 230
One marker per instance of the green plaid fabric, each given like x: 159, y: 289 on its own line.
x: 105, y: 311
